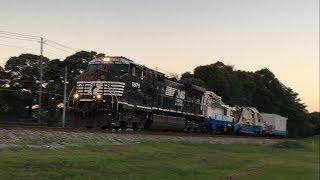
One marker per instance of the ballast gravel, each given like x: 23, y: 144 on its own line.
x: 60, y: 139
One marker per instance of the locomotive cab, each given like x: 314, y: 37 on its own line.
x: 102, y: 78
x: 111, y: 67
x: 99, y: 88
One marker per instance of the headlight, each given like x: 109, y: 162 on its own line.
x: 76, y: 96
x: 98, y: 96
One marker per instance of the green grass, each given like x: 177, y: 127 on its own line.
x: 165, y: 160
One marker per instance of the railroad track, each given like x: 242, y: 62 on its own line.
x: 143, y: 132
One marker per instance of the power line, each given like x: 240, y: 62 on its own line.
x: 21, y: 47
x: 48, y: 40
x: 19, y: 34
x: 26, y: 37
x: 52, y: 52
x: 19, y: 38
x: 67, y: 51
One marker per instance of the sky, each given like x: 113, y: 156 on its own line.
x: 178, y: 35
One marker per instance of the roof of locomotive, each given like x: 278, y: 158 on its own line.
x: 119, y: 60
x: 124, y: 60
x: 111, y: 60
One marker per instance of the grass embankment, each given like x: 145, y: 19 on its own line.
x: 164, y: 160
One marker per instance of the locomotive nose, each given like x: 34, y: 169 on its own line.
x: 98, y: 90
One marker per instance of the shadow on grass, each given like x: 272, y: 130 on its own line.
x: 289, y: 144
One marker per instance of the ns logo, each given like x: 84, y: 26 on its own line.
x: 136, y: 85
x: 94, y: 88
x: 179, y: 95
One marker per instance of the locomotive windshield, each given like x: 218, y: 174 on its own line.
x: 112, y: 69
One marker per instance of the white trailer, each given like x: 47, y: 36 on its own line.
x: 274, y: 124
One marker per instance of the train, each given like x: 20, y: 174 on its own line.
x: 115, y: 92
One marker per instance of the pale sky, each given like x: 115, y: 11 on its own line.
x: 178, y: 35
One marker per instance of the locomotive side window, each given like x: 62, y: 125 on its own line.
x: 95, y: 67
x: 133, y: 70
x: 118, y: 69
x: 114, y: 69
x: 225, y: 111
x: 136, y: 71
x: 233, y: 113
x: 160, y: 77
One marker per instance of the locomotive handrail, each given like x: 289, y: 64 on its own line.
x: 70, y: 95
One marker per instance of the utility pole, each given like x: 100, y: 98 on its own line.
x: 64, y: 97
x: 41, y: 80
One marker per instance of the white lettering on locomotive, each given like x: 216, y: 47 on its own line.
x: 173, y: 92
x: 179, y: 102
x: 136, y: 85
x: 100, y: 87
x: 180, y: 95
x: 95, y: 88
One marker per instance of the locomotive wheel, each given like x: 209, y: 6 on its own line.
x: 214, y: 131
x: 107, y: 126
x: 134, y: 126
x: 123, y: 125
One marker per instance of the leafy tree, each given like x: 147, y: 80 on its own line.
x: 187, y: 78
x: 314, y: 118
x: 21, y: 87
x: 19, y: 81
x: 77, y: 63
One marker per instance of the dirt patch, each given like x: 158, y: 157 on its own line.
x: 242, y: 173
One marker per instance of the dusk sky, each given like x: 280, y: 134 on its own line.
x: 178, y: 35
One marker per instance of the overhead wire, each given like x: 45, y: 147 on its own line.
x: 21, y: 47
x: 61, y: 49
x: 59, y: 44
x: 18, y: 34
x: 19, y: 38
x: 26, y: 37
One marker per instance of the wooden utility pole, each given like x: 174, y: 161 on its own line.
x: 41, y: 81
x: 64, y: 97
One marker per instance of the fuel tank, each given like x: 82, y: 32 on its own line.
x: 163, y: 122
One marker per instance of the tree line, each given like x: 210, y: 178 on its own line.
x: 19, y: 82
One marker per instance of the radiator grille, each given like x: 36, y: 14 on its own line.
x: 100, y: 87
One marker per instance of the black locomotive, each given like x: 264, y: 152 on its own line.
x: 117, y: 93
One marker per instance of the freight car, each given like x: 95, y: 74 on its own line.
x: 219, y: 118
x: 274, y: 124
x: 248, y: 121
